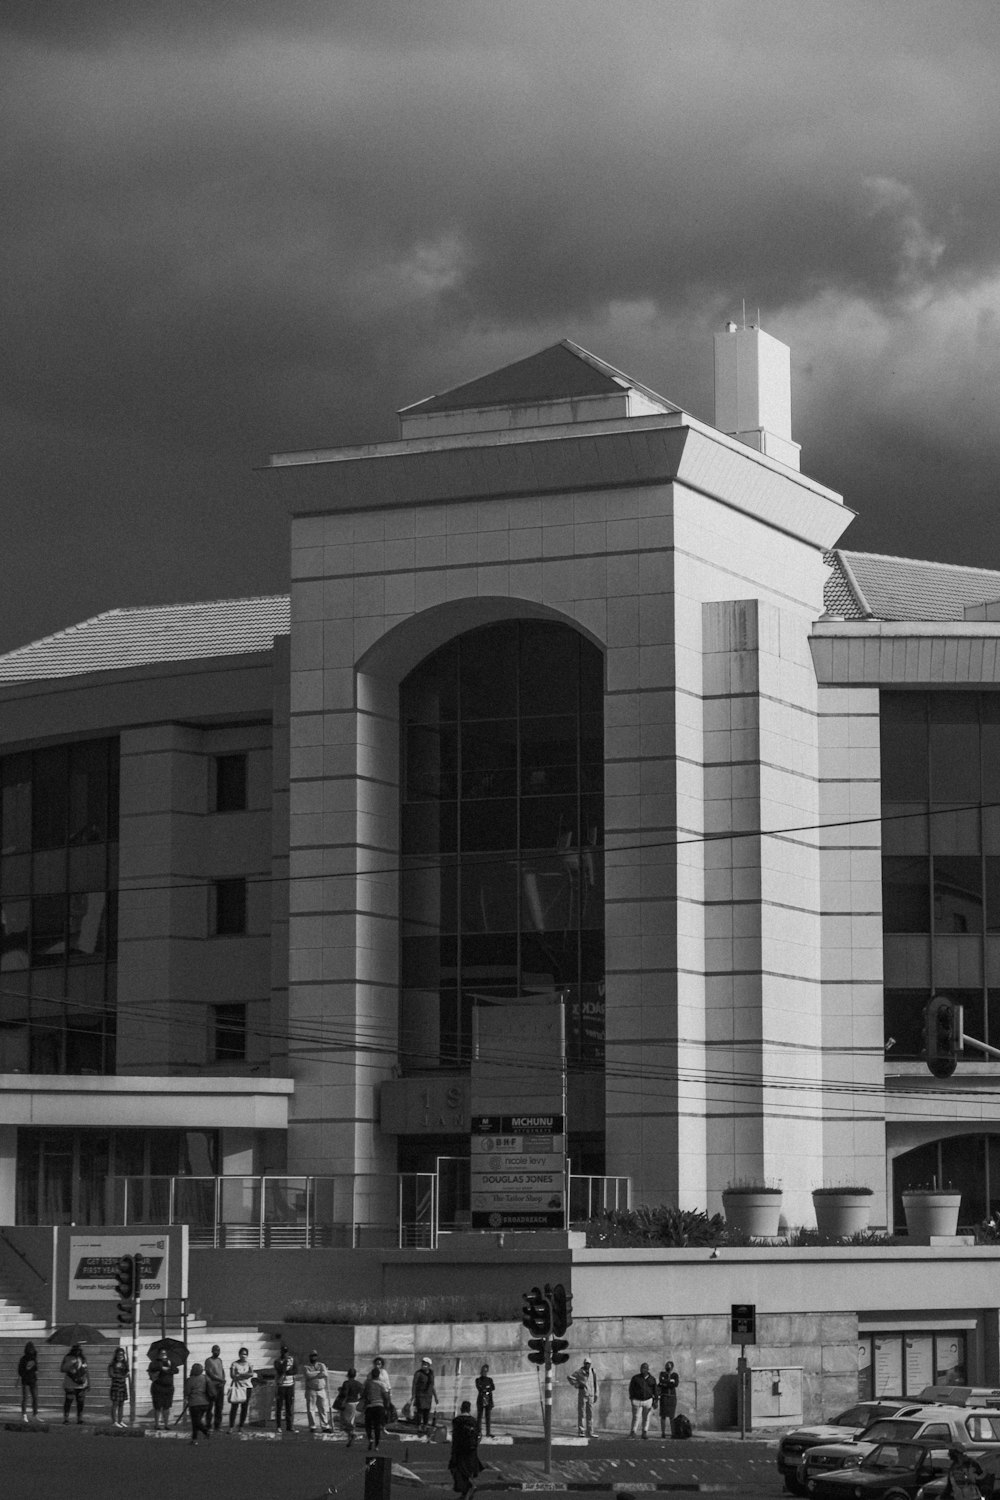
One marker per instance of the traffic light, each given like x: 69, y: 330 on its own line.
x: 125, y: 1287
x: 560, y: 1351
x: 562, y: 1307
x: 943, y: 1035
x: 535, y: 1312
x: 536, y: 1351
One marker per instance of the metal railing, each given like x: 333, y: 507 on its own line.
x: 281, y: 1212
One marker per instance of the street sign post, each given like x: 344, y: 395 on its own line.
x: 743, y: 1325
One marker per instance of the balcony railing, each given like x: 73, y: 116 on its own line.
x: 292, y: 1213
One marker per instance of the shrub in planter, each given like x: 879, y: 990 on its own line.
x: 841, y: 1211
x: 931, y: 1211
x: 754, y: 1208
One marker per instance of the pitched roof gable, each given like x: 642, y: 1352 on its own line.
x: 140, y: 637
x: 564, y: 371
x: 873, y: 586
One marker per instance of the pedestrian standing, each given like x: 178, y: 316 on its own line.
x: 215, y: 1376
x: 585, y: 1380
x: 161, y: 1389
x: 666, y: 1390
x: 963, y: 1473
x: 284, y: 1377
x: 118, y: 1374
x: 379, y: 1369
x: 76, y: 1379
x: 374, y: 1400
x: 27, y: 1374
x: 641, y: 1393
x: 316, y: 1377
x: 346, y: 1403
x: 199, y: 1402
x: 464, y: 1462
x: 240, y: 1383
x: 485, y: 1389
x: 423, y: 1394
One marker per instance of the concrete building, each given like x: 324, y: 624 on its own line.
x: 577, y: 700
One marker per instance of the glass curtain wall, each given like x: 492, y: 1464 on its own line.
x: 58, y: 888
x: 502, y: 886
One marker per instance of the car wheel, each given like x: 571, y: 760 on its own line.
x: 896, y: 1495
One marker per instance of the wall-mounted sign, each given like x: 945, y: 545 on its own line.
x: 93, y: 1262
x: 518, y: 1167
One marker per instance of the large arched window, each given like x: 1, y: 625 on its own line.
x: 502, y: 888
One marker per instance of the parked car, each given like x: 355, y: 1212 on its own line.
x: 849, y: 1423
x: 934, y: 1426
x: 890, y: 1471
x: 988, y: 1461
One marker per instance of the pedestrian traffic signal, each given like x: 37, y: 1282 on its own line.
x: 560, y: 1351
x: 535, y: 1313
x: 125, y: 1277
x: 562, y: 1307
x: 943, y: 1035
x: 536, y: 1351
x: 126, y: 1313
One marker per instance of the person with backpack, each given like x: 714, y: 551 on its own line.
x: 666, y: 1390
x: 642, y: 1394
x: 374, y: 1400
x: 27, y: 1374
x: 423, y: 1395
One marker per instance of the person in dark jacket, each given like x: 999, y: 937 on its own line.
x: 76, y: 1379
x: 423, y: 1395
x: 464, y: 1462
x: 485, y: 1388
x: 374, y: 1399
x: 666, y: 1390
x: 215, y: 1375
x: 642, y: 1394
x: 346, y: 1403
x: 285, y: 1370
x: 199, y: 1401
x: 27, y: 1374
x: 161, y: 1389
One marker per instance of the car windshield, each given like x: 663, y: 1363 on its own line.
x: 893, y: 1456
x: 891, y: 1430
x: 854, y: 1416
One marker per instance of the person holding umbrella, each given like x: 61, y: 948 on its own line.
x: 161, y: 1388
x: 76, y: 1379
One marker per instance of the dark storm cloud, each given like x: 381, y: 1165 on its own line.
x: 237, y: 227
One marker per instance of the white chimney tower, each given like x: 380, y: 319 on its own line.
x: 753, y: 391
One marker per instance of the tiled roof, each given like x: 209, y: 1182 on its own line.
x: 138, y: 637
x: 561, y: 372
x: 871, y: 586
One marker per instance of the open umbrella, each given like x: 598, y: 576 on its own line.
x: 174, y: 1348
x: 78, y: 1333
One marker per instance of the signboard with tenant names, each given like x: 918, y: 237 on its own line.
x: 518, y: 1165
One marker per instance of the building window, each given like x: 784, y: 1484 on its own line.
x: 941, y: 860
x: 229, y: 1033
x: 230, y: 783
x: 58, y: 908
x: 502, y: 883
x: 230, y: 907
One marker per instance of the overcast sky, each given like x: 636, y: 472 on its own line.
x: 248, y: 226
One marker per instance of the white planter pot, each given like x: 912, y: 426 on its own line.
x: 753, y: 1213
x: 839, y: 1215
x: 929, y: 1214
